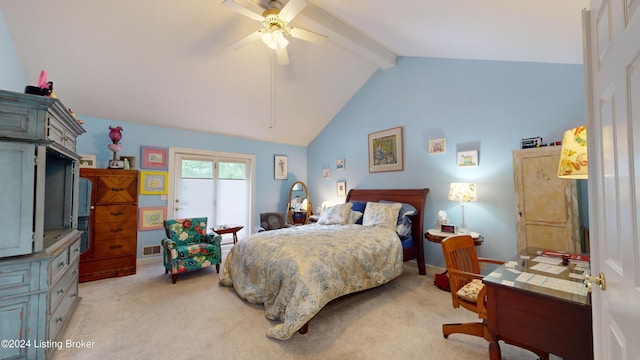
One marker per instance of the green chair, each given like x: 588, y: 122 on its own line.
x: 188, y: 246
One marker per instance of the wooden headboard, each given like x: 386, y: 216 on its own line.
x: 415, y: 197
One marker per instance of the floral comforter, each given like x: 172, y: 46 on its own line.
x: 296, y: 271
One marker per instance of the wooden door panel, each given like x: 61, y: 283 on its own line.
x: 547, y: 207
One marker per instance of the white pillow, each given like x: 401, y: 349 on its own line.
x: 381, y: 214
x: 354, y: 216
x: 335, y: 215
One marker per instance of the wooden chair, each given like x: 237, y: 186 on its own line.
x: 466, y: 285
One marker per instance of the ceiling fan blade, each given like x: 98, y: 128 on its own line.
x: 244, y: 41
x: 292, y: 9
x: 246, y: 8
x: 308, y: 35
x: 283, y: 56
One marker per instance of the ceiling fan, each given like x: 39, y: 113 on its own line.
x: 276, y: 27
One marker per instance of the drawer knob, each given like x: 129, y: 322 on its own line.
x: 61, y: 291
x: 61, y: 264
x: 117, y: 189
x: 115, y: 246
x: 117, y: 213
x: 60, y: 319
x: 76, y: 250
x: 117, y: 230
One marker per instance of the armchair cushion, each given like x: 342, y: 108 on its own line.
x: 186, y: 231
x: 470, y: 291
x: 272, y: 221
x: 188, y: 247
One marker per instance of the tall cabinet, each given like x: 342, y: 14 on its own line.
x: 111, y: 248
x: 547, y: 208
x: 39, y: 241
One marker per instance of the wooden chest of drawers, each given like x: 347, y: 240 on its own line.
x: 113, y: 222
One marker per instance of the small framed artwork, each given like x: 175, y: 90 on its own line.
x: 340, y: 164
x: 154, y: 182
x: 468, y: 158
x: 437, y: 146
x: 88, y: 161
x: 151, y: 218
x: 116, y: 164
x: 326, y: 173
x: 341, y: 187
x: 280, y: 169
x: 131, y: 160
x: 153, y: 158
x: 385, y: 150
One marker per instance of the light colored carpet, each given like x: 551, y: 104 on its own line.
x: 144, y: 316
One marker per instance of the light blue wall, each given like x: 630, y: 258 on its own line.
x: 12, y: 75
x: 485, y: 105
x: 271, y: 195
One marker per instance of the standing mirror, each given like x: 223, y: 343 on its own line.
x: 299, y: 208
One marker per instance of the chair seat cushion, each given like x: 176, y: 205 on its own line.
x: 470, y: 291
x: 194, y: 249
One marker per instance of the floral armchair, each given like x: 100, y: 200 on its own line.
x: 188, y: 246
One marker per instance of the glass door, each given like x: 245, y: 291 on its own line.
x: 212, y: 185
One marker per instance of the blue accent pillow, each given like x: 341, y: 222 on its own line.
x: 358, y: 206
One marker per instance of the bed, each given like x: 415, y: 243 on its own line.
x: 294, y: 272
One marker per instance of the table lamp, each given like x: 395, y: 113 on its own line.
x: 462, y: 192
x: 573, y: 158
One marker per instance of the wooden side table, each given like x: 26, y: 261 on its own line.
x: 228, y: 229
x: 436, y: 236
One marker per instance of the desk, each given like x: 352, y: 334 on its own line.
x: 228, y: 229
x: 540, y: 319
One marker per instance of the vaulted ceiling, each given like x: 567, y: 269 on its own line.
x: 168, y: 63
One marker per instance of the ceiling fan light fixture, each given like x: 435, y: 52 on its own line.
x: 275, y: 39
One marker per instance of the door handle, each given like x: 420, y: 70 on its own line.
x: 598, y: 280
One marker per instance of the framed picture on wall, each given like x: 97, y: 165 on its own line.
x: 326, y: 173
x: 154, y: 182
x: 468, y: 158
x: 341, y: 187
x: 87, y: 161
x: 131, y: 160
x: 437, y: 146
x: 280, y: 169
x: 385, y: 150
x: 153, y: 158
x: 151, y: 218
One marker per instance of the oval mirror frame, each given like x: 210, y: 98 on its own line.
x: 299, y: 186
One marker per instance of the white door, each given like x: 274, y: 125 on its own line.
x: 218, y: 186
x: 612, y: 68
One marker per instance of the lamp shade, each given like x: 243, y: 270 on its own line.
x: 463, y: 192
x: 573, y: 159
